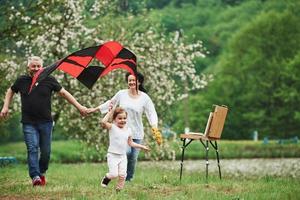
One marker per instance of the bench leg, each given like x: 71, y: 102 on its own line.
x: 206, y: 147
x: 218, y: 159
x: 182, y: 156
x: 206, y: 157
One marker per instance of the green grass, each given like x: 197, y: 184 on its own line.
x: 71, y: 151
x: 245, y: 149
x: 81, y: 181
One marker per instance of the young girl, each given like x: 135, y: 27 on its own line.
x: 119, y: 138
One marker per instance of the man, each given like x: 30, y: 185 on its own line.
x: 36, y: 117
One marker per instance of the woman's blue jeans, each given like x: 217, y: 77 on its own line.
x: 37, y: 138
x: 132, y: 155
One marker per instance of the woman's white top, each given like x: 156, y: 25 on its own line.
x: 135, y: 107
x: 118, y: 139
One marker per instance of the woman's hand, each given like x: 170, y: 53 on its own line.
x: 111, y: 105
x: 92, y: 110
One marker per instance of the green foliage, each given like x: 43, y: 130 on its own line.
x: 157, y: 3
x: 256, y: 72
x: 4, y: 84
x: 10, y: 130
x: 213, y: 22
x: 257, y: 81
x: 255, y: 86
x: 253, y: 54
x: 190, y: 114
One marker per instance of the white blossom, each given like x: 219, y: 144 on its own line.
x: 166, y: 63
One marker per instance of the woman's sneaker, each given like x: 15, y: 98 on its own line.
x: 36, y: 181
x: 105, y: 181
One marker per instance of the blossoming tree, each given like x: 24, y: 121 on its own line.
x: 53, y: 30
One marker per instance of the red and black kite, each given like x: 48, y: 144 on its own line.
x: 111, y: 54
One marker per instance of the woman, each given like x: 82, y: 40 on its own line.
x: 135, y: 102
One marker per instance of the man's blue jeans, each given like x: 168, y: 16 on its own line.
x: 38, y: 141
x: 132, y: 155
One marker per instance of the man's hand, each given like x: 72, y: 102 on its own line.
x: 83, y: 111
x: 4, y: 113
x: 5, y: 109
x: 157, y: 135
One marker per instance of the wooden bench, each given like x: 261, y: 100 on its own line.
x: 212, y: 133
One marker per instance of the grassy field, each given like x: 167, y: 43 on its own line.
x: 81, y: 181
x: 72, y: 151
x: 70, y: 179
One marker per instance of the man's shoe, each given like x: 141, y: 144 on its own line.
x: 105, y: 181
x: 36, y: 181
x: 43, y: 180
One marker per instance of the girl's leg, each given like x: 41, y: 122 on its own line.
x: 122, y: 173
x: 112, y: 162
x: 121, y: 183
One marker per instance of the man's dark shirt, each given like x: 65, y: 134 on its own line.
x: 36, y: 106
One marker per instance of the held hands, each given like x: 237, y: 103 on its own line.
x: 97, y: 109
x: 157, y: 135
x: 83, y: 111
x: 92, y: 110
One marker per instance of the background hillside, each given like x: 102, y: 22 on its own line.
x: 252, y: 51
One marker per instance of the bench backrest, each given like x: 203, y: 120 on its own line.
x: 215, y: 122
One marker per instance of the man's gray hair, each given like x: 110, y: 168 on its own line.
x: 35, y: 59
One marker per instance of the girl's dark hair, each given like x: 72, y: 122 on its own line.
x: 140, y: 78
x: 117, y: 111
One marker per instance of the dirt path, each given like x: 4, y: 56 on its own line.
x: 286, y: 167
